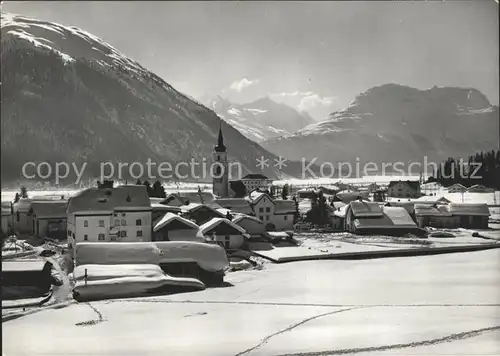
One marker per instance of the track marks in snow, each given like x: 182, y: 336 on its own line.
x: 93, y: 321
x: 291, y: 327
x: 139, y: 300
x: 449, y: 338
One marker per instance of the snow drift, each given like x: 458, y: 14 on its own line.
x: 209, y: 257
x: 122, y: 281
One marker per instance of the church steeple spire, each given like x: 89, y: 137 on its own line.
x: 220, y: 141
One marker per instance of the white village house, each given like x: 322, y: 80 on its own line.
x: 254, y: 181
x: 453, y: 216
x: 404, y: 189
x: 121, y: 213
x: 456, y: 188
x: 252, y: 225
x: 277, y: 215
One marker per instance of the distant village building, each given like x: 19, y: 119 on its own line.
x: 404, y: 189
x: 122, y: 213
x: 479, y: 188
x: 220, y: 174
x: 223, y: 232
x: 370, y: 218
x: 457, y: 188
x: 173, y: 227
x: 50, y: 219
x: 276, y: 214
x: 256, y: 181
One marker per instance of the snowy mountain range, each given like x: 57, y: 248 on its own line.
x: 261, y: 119
x: 68, y: 96
x: 391, y: 123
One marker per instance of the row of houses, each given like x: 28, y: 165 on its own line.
x: 126, y: 213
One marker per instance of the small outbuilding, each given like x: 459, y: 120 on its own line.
x: 223, y: 232
x: 173, y: 227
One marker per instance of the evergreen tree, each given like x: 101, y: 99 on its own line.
x: 284, y: 192
x: 24, y: 192
x: 16, y: 198
x: 158, y: 191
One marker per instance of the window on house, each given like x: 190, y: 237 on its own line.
x: 101, y: 223
x: 227, y: 242
x: 124, y: 222
x: 285, y: 217
x: 138, y: 222
x: 139, y: 233
x: 117, y: 222
x: 123, y: 233
x: 86, y: 237
x: 101, y: 237
x: 261, y: 217
x: 123, y: 214
x: 261, y: 210
x: 268, y: 210
x: 18, y: 217
x: 267, y: 217
x: 115, y: 214
x: 85, y: 223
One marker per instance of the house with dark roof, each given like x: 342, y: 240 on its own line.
x: 50, y: 218
x: 256, y: 181
x: 122, y: 213
x: 404, y: 189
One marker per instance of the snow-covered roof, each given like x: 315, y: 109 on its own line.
x: 431, y: 210
x: 399, y: 216
x: 163, y: 207
x: 170, y: 217
x: 432, y: 199
x: 209, y: 225
x: 23, y: 205
x: 23, y: 265
x: 340, y: 212
x: 109, y: 199
x: 240, y: 205
x: 241, y: 217
x: 469, y: 209
x: 50, y: 209
x: 195, y: 206
x: 191, y: 197
x: 392, y: 217
x: 366, y: 209
x: 255, y: 195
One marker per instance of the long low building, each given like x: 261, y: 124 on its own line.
x: 469, y: 216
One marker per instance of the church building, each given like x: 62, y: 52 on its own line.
x: 220, y: 169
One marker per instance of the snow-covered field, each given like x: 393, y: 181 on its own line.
x: 432, y: 305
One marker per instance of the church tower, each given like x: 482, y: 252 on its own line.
x: 220, y: 178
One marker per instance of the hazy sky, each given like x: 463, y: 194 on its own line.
x: 313, y: 55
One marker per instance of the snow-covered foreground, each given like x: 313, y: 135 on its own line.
x: 432, y: 305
